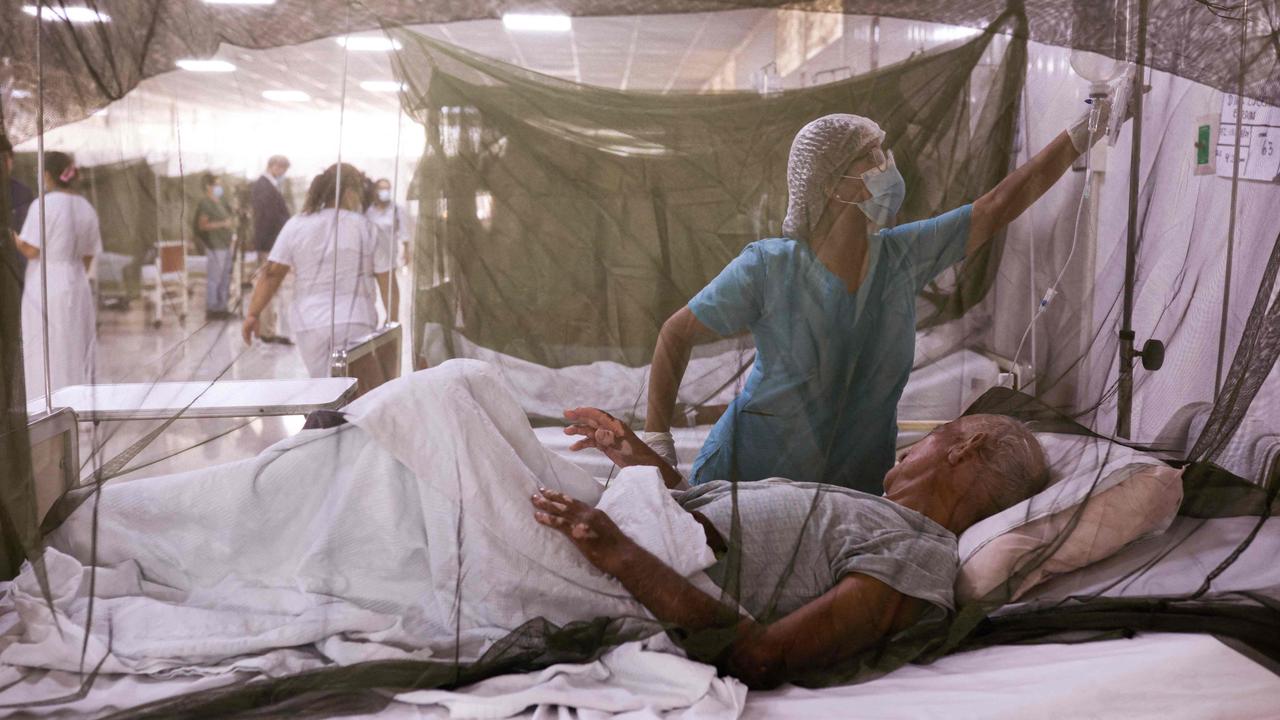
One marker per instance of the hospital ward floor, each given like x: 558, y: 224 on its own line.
x: 131, y: 350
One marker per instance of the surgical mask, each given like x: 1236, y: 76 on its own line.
x: 384, y: 196
x: 217, y: 191
x: 887, y: 189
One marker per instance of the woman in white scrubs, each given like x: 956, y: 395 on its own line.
x: 65, y: 251
x: 338, y: 265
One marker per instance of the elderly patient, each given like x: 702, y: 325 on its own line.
x: 862, y: 567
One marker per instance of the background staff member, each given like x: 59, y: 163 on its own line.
x: 270, y: 213
x: 72, y: 238
x: 325, y: 298
x: 215, y: 226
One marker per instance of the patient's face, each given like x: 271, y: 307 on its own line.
x: 920, y: 459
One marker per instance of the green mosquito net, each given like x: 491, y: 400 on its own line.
x: 557, y: 226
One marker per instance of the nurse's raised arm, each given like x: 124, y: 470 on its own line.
x: 1017, y: 192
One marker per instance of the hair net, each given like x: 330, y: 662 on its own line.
x: 820, y: 151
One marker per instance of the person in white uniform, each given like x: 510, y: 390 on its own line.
x: 391, y: 219
x: 65, y: 250
x: 338, y: 267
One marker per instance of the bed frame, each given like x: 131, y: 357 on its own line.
x: 55, y: 456
x: 371, y: 360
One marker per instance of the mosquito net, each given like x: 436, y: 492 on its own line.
x: 584, y: 231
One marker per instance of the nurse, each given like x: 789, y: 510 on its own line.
x: 338, y: 265
x: 831, y: 307
x: 70, y: 239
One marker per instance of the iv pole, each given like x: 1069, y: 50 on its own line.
x: 1125, y: 401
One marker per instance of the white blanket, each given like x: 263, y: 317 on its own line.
x: 375, y: 540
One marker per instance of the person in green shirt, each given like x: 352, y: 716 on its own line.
x: 215, y: 227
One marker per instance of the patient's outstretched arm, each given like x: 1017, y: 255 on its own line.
x: 852, y: 616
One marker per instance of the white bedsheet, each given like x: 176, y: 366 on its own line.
x: 340, y: 546
x: 1159, y: 676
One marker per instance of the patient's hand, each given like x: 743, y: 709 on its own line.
x: 619, y: 443
x: 609, y: 435
x: 590, y: 530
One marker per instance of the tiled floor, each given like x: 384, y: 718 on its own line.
x: 131, y: 350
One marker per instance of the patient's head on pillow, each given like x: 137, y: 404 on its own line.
x: 1014, y: 463
x: 970, y: 468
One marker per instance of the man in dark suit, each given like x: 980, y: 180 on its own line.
x: 20, y: 199
x: 270, y: 212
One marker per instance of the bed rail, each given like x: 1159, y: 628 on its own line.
x: 372, y: 360
x: 55, y: 456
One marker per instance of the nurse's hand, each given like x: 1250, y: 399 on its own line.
x: 249, y: 328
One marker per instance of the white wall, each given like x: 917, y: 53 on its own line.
x: 1181, y: 270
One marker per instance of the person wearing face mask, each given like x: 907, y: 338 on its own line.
x: 215, y: 226
x: 831, y: 308
x: 390, y: 219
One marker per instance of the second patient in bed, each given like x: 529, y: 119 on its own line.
x: 852, y: 568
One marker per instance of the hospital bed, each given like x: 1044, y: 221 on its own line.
x: 55, y: 456
x: 112, y: 286
x: 1164, y: 675
x: 54, y: 434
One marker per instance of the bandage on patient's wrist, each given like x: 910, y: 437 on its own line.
x: 663, y: 444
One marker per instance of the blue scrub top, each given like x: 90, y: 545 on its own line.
x: 821, y: 403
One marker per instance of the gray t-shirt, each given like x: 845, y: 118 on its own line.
x: 847, y: 532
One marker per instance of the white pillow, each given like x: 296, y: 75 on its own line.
x: 1078, y: 465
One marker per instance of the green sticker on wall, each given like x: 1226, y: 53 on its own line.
x: 1202, y: 144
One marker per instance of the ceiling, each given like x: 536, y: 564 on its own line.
x: 660, y: 53
x: 222, y: 120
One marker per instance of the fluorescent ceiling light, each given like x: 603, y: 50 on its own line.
x: 529, y: 22
x: 367, y: 43
x: 21, y: 94
x: 239, y: 2
x: 382, y: 85
x: 214, y: 66
x: 286, y: 95
x: 954, y: 32
x: 75, y: 14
